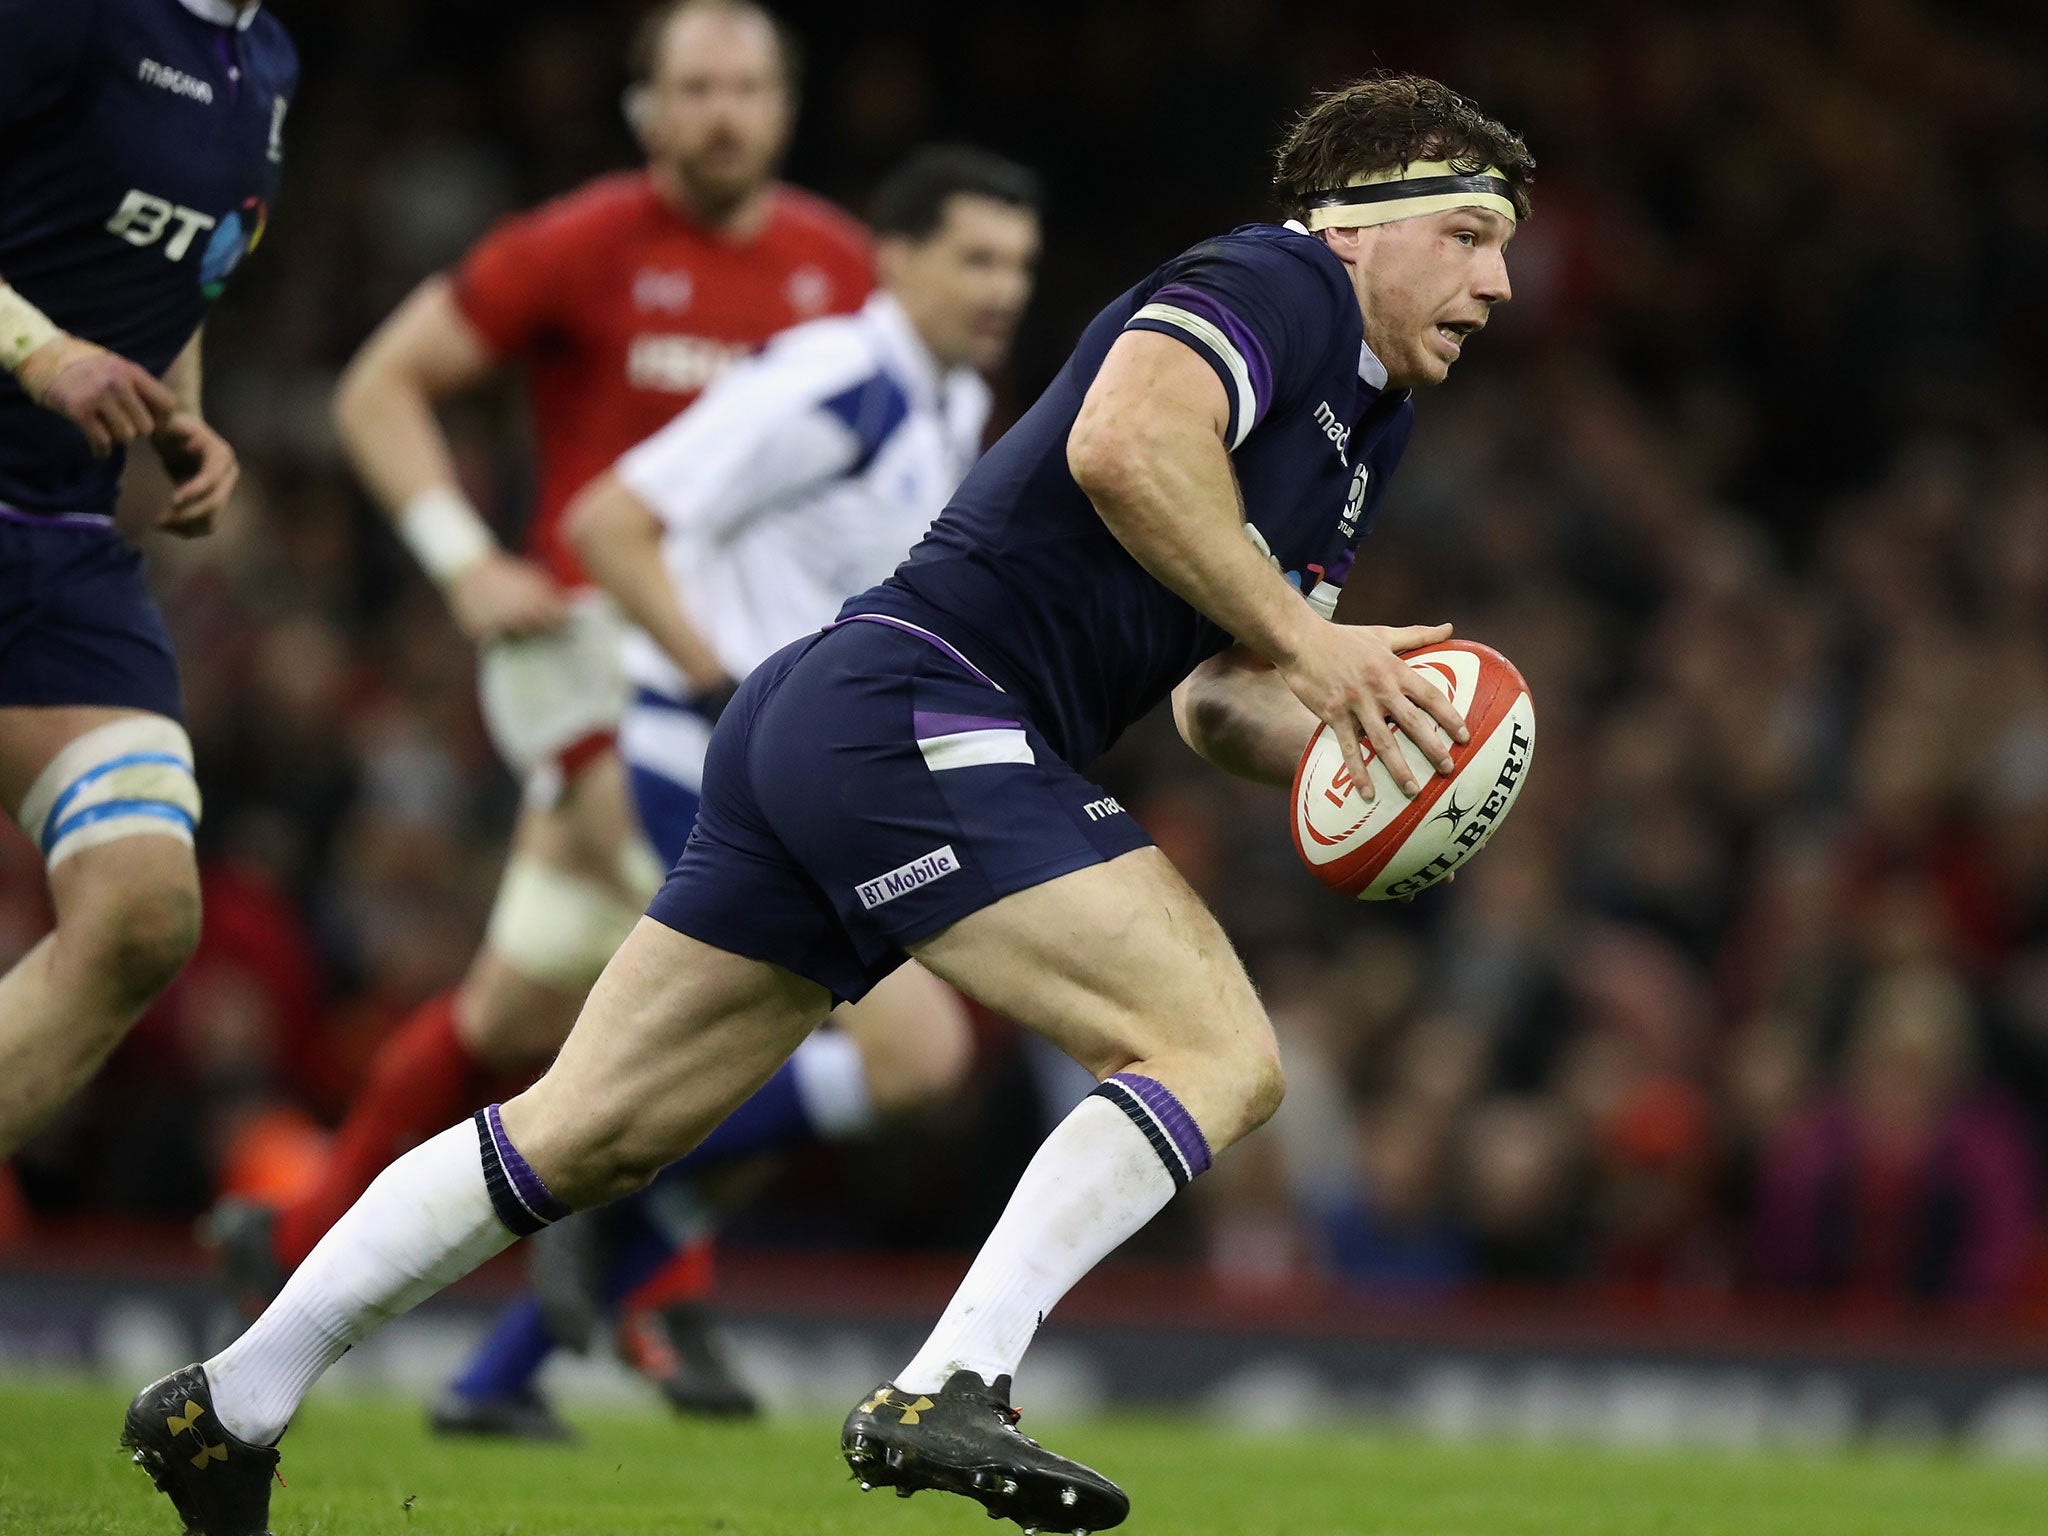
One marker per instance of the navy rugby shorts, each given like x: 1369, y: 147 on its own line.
x: 77, y: 623
x: 867, y: 787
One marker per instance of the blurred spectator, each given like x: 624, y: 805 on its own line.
x: 1914, y: 1178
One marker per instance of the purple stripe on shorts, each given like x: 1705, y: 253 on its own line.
x: 533, y: 1194
x: 1180, y: 1125
x: 923, y: 634
x: 59, y: 519
x: 1242, y: 336
x: 927, y: 723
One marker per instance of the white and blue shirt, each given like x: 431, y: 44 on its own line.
x: 801, y: 476
x: 140, y: 143
x: 1022, y: 575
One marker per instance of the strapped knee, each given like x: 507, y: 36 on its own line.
x: 557, y: 927
x: 129, y: 778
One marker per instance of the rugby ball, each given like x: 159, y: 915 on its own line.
x: 1391, y: 846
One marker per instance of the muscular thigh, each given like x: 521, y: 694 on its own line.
x: 675, y: 1034
x: 1116, y: 964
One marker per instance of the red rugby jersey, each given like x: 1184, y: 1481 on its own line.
x: 621, y: 310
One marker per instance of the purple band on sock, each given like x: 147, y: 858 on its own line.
x: 1164, y: 1120
x: 519, y: 1197
x: 927, y: 723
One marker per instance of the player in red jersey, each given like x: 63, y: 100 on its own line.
x: 619, y: 303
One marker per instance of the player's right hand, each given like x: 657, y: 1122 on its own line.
x: 1352, y: 677
x: 108, y: 398
x: 502, y: 596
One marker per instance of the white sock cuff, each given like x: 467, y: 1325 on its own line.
x: 832, y: 1083
x: 1096, y: 1180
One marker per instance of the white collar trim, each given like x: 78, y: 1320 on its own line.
x: 223, y: 13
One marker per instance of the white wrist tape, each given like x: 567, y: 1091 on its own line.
x: 444, y: 532
x: 23, y: 328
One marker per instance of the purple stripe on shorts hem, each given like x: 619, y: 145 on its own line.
x: 61, y: 519
x: 923, y: 634
x: 533, y: 1194
x: 1212, y: 309
x: 1180, y: 1125
x: 927, y: 723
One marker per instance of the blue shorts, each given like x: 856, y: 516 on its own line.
x: 662, y: 742
x: 866, y: 788
x: 77, y: 623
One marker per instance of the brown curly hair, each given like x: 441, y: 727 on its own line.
x: 1388, y: 120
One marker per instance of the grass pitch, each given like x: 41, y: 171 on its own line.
x: 369, y: 1469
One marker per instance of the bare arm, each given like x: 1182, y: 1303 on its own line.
x: 203, y: 469
x: 425, y: 352
x: 186, y: 377
x: 618, y: 538
x: 1148, y: 450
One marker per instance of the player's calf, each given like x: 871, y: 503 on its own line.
x: 914, y: 1041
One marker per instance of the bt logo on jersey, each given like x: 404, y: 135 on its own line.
x: 144, y: 219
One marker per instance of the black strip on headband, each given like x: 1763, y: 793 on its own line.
x: 1421, y: 186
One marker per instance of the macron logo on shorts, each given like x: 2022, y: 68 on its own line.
x: 920, y: 871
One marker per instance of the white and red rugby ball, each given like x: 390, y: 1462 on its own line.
x: 1391, y: 846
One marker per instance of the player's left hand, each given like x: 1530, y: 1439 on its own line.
x: 203, y: 471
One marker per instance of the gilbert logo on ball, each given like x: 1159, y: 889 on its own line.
x: 1391, y: 846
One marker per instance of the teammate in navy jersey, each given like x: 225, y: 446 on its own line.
x: 909, y: 782
x: 139, y: 150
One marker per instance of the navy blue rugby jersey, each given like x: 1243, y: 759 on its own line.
x: 139, y: 151
x: 1022, y: 574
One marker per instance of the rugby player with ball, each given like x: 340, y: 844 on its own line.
x: 1174, y: 516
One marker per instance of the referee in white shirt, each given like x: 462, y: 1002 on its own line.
x: 804, y: 475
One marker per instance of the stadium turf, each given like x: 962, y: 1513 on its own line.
x: 368, y: 1469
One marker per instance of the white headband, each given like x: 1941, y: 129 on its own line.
x: 1407, y: 192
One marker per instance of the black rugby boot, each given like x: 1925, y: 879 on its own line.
x: 219, y: 1485
x: 964, y: 1439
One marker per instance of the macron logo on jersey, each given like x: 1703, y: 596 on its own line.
x: 919, y: 872
x: 176, y: 81
x: 1333, y: 429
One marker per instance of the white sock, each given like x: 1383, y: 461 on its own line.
x: 426, y: 1221
x: 1106, y: 1170
x: 832, y: 1082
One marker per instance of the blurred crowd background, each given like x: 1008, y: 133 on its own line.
x: 1751, y: 479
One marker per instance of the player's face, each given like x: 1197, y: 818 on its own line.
x: 1425, y: 286
x: 965, y: 287
x: 718, y: 109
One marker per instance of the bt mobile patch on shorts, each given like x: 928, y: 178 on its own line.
x: 920, y: 871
